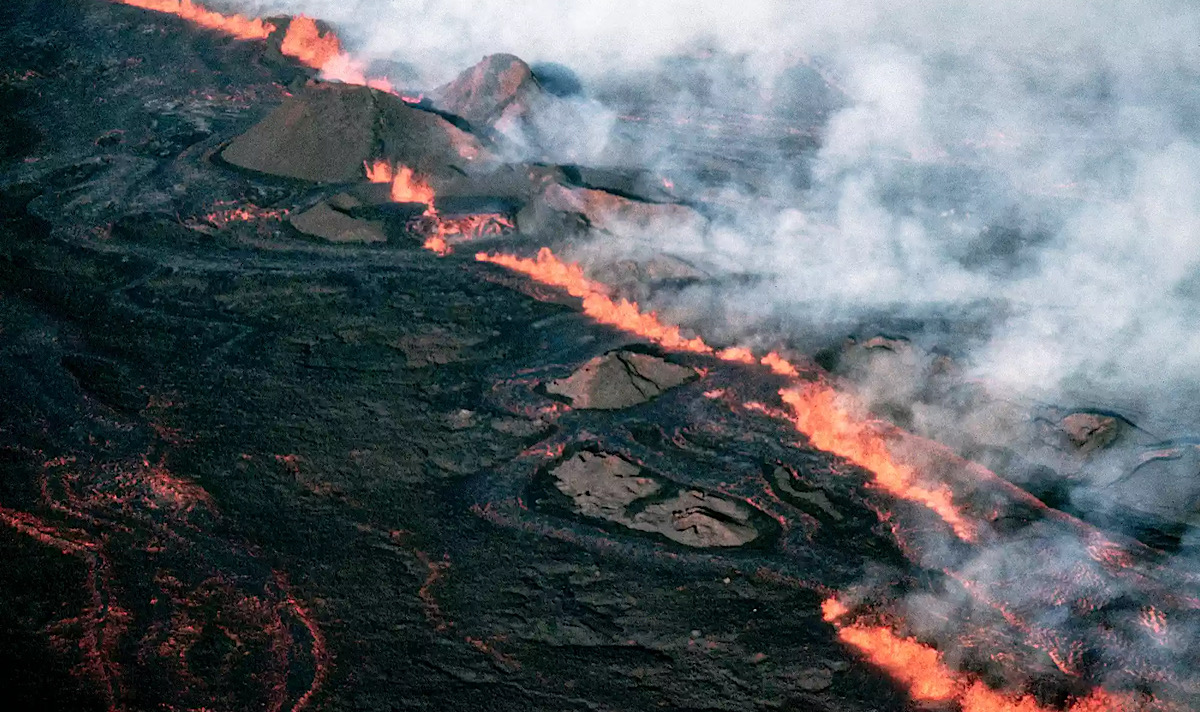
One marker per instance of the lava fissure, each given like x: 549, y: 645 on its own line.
x: 125, y: 507
x: 303, y: 40
x: 239, y: 26
x: 817, y: 408
x: 927, y: 678
x: 112, y: 512
x: 436, y: 229
x: 833, y: 425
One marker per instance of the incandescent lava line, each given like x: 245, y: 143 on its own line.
x: 819, y: 414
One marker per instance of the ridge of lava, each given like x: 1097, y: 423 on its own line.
x: 622, y: 435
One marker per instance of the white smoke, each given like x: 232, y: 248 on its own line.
x: 1040, y: 159
x: 1022, y: 179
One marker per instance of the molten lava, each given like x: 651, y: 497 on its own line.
x: 926, y: 677
x: 918, y: 667
x: 736, y: 354
x: 622, y: 314
x: 820, y: 413
x: 406, y: 187
x: 833, y: 609
x: 92, y: 512
x: 436, y: 228
x: 439, y: 229
x: 437, y: 244
x: 779, y: 365
x: 239, y: 26
x: 379, y: 172
x: 818, y: 410
x: 305, y: 42
x: 225, y: 213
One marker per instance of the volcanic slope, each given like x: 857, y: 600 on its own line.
x: 248, y: 470
x: 278, y: 469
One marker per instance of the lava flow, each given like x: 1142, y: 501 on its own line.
x: 926, y: 677
x: 819, y: 412
x: 239, y: 26
x: 406, y: 187
x: 832, y: 423
x: 435, y: 227
x: 122, y: 520
x: 225, y: 213
x: 305, y: 42
x: 622, y: 314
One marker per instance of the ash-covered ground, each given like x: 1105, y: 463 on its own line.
x: 257, y: 460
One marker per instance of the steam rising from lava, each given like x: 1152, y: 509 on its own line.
x: 1036, y: 165
x: 922, y: 671
x: 1039, y: 160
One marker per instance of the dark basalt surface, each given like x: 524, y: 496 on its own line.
x: 241, y: 434
x: 240, y: 469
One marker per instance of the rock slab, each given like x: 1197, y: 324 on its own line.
x: 620, y: 379
x: 607, y: 486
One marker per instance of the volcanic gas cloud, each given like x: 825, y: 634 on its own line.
x: 886, y: 207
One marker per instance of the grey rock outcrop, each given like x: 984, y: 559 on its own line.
x: 499, y: 90
x: 323, y: 222
x: 619, y: 380
x: 606, y: 212
x: 606, y: 486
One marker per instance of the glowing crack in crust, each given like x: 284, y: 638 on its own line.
x: 818, y: 410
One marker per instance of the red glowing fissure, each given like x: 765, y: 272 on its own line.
x: 92, y: 511
x: 831, y: 420
x: 833, y: 423
x: 818, y: 411
x: 438, y: 230
x: 927, y: 678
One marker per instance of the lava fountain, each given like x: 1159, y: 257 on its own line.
x: 437, y: 229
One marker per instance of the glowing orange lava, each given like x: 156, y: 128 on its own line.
x: 623, y: 314
x: 437, y: 243
x: 225, y: 213
x: 818, y: 411
x: 918, y: 667
x: 406, y: 187
x: 379, y: 172
x: 832, y: 609
x: 239, y: 26
x: 772, y: 360
x: 305, y: 42
x: 546, y: 268
x: 926, y: 677
x: 736, y: 354
x: 821, y: 413
x: 779, y: 365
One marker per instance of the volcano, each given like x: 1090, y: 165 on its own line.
x: 317, y: 398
